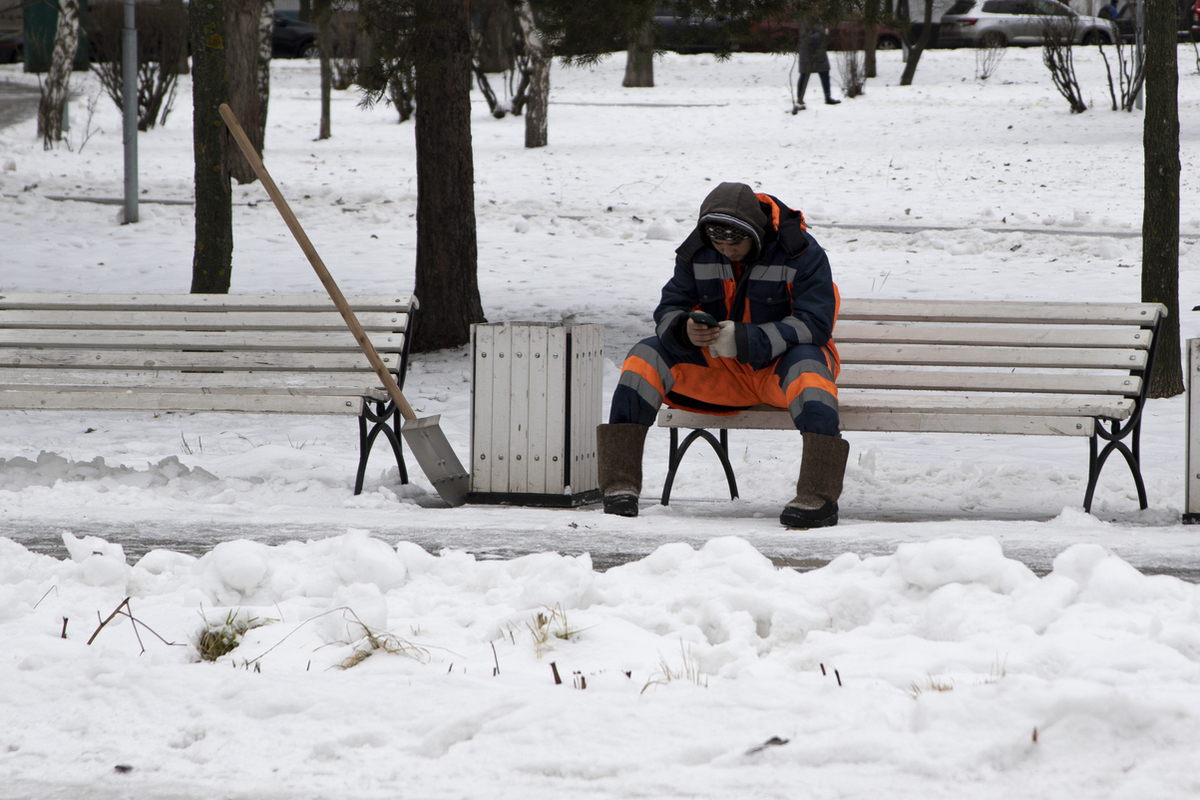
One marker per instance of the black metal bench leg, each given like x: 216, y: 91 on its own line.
x: 1093, y: 474
x: 397, y: 449
x: 366, y: 440
x: 1131, y: 458
x: 720, y: 447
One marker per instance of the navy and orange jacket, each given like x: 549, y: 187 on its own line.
x: 785, y: 295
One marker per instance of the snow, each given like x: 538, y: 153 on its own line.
x: 966, y: 631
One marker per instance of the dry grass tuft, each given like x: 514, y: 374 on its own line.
x: 372, y: 643
x: 932, y: 684
x: 689, y: 671
x: 550, y: 622
x: 218, y: 639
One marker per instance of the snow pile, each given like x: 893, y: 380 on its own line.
x: 50, y: 468
x: 943, y: 665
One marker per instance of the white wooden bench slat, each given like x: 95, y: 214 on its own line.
x: 201, y: 320
x: 964, y: 423
x: 179, y: 401
x: 938, y: 404
x: 983, y: 404
x: 896, y: 422
x: 211, y: 340
x: 174, y: 360
x: 329, y: 382
x: 956, y: 379
x: 193, y: 302
x: 198, y: 387
x: 1000, y: 311
x: 992, y: 335
x: 963, y: 356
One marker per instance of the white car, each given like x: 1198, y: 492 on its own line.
x: 996, y: 23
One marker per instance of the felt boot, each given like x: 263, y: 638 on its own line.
x: 820, y: 485
x: 619, y: 461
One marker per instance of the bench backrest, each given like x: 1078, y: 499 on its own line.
x: 195, y: 331
x: 995, y: 346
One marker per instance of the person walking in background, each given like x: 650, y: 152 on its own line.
x: 813, y: 58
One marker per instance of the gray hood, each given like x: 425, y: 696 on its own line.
x: 735, y: 204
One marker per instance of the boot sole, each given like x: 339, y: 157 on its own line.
x: 622, y: 505
x: 802, y: 519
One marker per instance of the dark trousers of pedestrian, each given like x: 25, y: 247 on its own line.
x: 803, y: 84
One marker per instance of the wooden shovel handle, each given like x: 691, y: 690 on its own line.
x: 360, y: 336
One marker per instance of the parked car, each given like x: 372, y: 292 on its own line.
x: 698, y: 34
x: 1195, y: 27
x: 12, y: 47
x: 291, y: 38
x: 779, y: 35
x: 974, y: 23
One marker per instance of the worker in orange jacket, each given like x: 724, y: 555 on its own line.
x: 746, y: 319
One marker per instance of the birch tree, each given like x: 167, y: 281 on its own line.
x: 537, y: 123
x: 266, y: 32
x: 56, y: 89
x: 914, y: 54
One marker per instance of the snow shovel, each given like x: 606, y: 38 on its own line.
x: 424, y: 436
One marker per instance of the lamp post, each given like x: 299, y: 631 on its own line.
x: 129, y: 92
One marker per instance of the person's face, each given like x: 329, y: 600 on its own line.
x: 734, y: 251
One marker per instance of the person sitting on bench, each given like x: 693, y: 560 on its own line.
x: 747, y: 319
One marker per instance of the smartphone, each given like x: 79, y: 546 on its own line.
x: 704, y: 318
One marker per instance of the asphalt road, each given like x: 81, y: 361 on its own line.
x: 798, y: 550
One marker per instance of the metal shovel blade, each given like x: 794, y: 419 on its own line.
x: 437, y: 459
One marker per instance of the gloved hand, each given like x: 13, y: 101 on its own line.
x: 725, y: 346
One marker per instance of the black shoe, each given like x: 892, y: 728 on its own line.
x: 795, y: 517
x: 829, y: 101
x: 623, y: 505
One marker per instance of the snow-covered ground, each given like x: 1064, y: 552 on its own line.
x: 925, y: 660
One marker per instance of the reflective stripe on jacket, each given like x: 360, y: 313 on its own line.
x: 786, y: 294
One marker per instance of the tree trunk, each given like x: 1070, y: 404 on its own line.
x: 446, y: 283
x: 243, y: 25
x: 266, y: 27
x: 870, y: 31
x: 914, y: 54
x: 537, y: 120
x: 57, y: 88
x: 213, y: 251
x: 639, y: 60
x: 324, y: 16
x: 1160, y: 212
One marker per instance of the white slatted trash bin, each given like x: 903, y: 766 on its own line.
x: 1191, y: 513
x: 536, y: 402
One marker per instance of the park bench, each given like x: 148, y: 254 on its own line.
x: 288, y: 354
x: 989, y: 367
